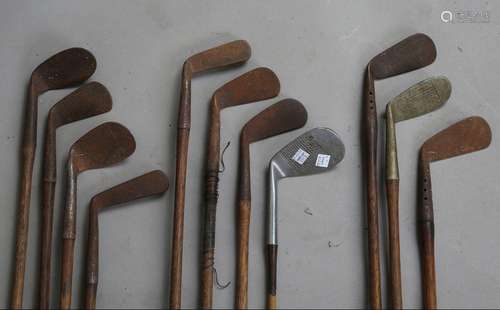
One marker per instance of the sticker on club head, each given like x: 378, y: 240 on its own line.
x: 300, y: 156
x: 322, y: 160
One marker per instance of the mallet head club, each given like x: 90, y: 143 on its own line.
x: 469, y: 135
x: 105, y: 145
x: 255, y: 85
x: 412, y: 53
x: 232, y: 53
x: 89, y: 100
x: 316, y: 151
x: 67, y: 68
x: 281, y: 117
x: 149, y: 184
x: 421, y: 98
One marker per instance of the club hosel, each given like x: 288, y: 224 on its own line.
x: 426, y: 212
x: 93, y: 243
x: 244, y: 191
x: 49, y: 155
x: 69, y: 228
x: 392, y: 170
x: 184, y: 117
x: 272, y: 208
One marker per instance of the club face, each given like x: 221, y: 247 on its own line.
x: 316, y: 151
x: 89, y: 100
x: 421, y: 98
x: 412, y: 53
x: 283, y: 116
x: 220, y: 56
x: 469, y: 135
x: 255, y: 85
x: 105, y: 145
x: 65, y: 69
x: 149, y: 184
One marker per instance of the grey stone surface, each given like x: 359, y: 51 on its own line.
x: 319, y: 50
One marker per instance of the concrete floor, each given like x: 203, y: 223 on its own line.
x: 319, y: 50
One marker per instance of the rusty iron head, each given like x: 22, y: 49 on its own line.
x: 412, y: 53
x: 103, y: 146
x: 421, y: 98
x: 255, y: 85
x: 149, y: 184
x: 231, y: 53
x: 281, y: 117
x: 466, y: 136
x: 65, y: 69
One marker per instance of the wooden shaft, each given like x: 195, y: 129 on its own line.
x: 90, y: 296
x: 46, y: 243
x: 369, y: 130
x: 183, y: 128
x: 207, y: 280
x: 92, y: 275
x: 28, y: 151
x: 392, y: 187
x: 426, y: 233
x: 68, y: 247
x: 242, y: 258
x: 272, y: 266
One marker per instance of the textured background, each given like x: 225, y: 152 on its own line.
x: 319, y: 50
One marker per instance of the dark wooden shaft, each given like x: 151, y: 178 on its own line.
x: 272, y: 270
x: 392, y: 187
x: 92, y: 274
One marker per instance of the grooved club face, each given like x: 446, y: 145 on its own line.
x: 316, y: 151
x: 105, y: 145
x: 412, y: 53
x: 421, y: 98
x: 469, y: 135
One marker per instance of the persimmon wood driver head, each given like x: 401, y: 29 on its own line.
x: 281, y: 117
x: 469, y: 135
x: 316, y: 151
x: 89, y: 100
x: 422, y: 98
x: 149, y: 184
x: 65, y: 69
x: 103, y: 146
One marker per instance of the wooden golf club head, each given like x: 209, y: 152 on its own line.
x: 65, y: 69
x: 231, y: 53
x: 105, y: 145
x: 149, y: 184
x: 467, y: 136
x: 283, y: 116
x: 255, y: 85
x: 412, y: 53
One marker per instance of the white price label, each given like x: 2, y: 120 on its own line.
x: 322, y: 160
x: 300, y: 156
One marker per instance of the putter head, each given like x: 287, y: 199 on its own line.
x: 421, y: 98
x: 412, y: 53
x: 149, y: 184
x: 316, y: 151
x: 103, y: 146
x: 255, y: 85
x: 469, y: 135
x: 281, y: 117
x: 231, y: 53
x: 65, y: 69
x: 89, y: 100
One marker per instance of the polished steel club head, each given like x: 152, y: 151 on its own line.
x: 421, y: 98
x: 316, y: 151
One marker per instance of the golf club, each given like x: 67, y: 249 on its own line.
x: 281, y: 117
x: 316, y: 151
x: 105, y: 145
x: 469, y: 135
x: 149, y: 184
x: 89, y: 100
x: 255, y: 85
x: 65, y: 69
x: 236, y: 52
x: 421, y: 98
x: 412, y: 53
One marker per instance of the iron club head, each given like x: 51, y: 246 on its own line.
x: 316, y: 151
x: 469, y: 135
x: 421, y: 98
